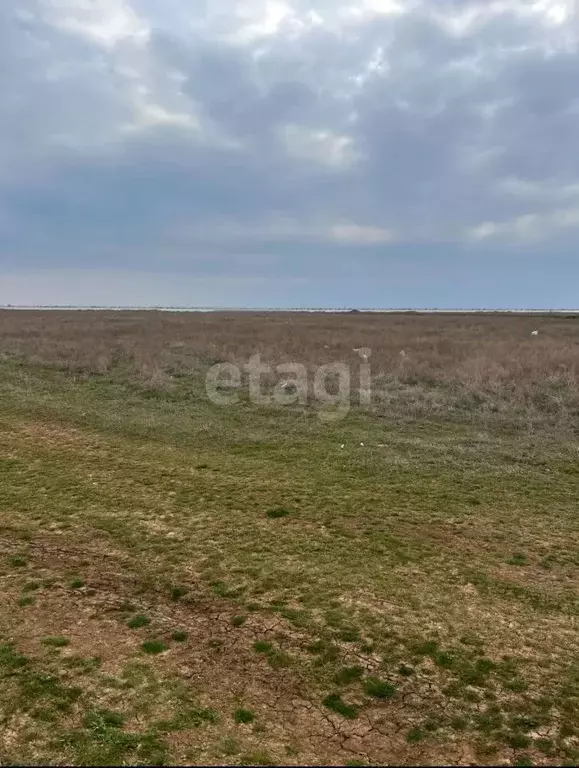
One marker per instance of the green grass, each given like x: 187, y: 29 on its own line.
x: 519, y: 558
x: 347, y: 675
x: 138, y: 621
x: 380, y: 689
x: 277, y: 512
x: 262, y: 646
x: 153, y: 647
x: 25, y: 600
x: 385, y: 563
x: 243, y: 716
x: 335, y: 703
x: 55, y: 642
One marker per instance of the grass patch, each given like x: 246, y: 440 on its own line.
x: 17, y: 561
x: 277, y: 512
x: 238, y: 621
x: 347, y: 675
x: 55, y: 642
x: 518, y: 558
x: 25, y: 600
x: 153, y: 647
x: 379, y: 689
x: 243, y: 716
x: 262, y: 646
x: 103, y: 718
x: 178, y: 592
x: 179, y: 636
x: 138, y: 621
x: 335, y: 702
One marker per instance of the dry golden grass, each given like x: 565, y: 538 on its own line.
x: 470, y: 367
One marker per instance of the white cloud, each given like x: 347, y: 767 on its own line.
x: 320, y: 146
x: 104, y: 22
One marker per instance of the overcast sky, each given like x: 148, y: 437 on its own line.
x: 290, y: 152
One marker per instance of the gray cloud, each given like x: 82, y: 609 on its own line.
x: 285, y: 138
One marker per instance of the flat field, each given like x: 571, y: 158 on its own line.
x: 183, y: 582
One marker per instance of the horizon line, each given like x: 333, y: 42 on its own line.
x: 353, y: 309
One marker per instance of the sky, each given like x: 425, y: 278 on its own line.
x: 290, y: 153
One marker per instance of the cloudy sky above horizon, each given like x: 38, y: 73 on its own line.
x: 404, y: 153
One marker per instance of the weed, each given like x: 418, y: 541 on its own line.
x: 262, y: 646
x: 518, y: 558
x: 414, y: 735
x: 347, y: 675
x: 380, y: 689
x: 243, y: 716
x: 153, y: 646
x: 277, y: 512
x: 179, y: 636
x: 229, y: 747
x: 25, y: 600
x: 103, y: 718
x: 138, y: 621
x: 335, y: 702
x: 55, y: 642
x: 178, y: 592
x: 238, y: 621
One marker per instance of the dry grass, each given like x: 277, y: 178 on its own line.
x: 467, y: 367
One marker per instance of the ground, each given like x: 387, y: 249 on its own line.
x: 184, y: 583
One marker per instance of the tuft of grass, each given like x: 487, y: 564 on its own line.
x: 238, y: 621
x: 153, y: 646
x: 76, y: 583
x: 32, y: 586
x: 229, y: 747
x: 11, y: 660
x: 380, y: 689
x: 278, y: 659
x: 179, y: 636
x: 178, y: 592
x: 55, y: 642
x: 243, y: 716
x: 262, y: 646
x: 138, y: 621
x: 335, y: 702
x: 103, y: 718
x: 17, y: 561
x: 518, y: 558
x: 277, y: 512
x: 415, y: 734
x: 517, y: 740
x: 25, y: 600
x: 405, y: 670
x: 347, y: 675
